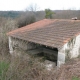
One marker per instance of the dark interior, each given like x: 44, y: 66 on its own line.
x: 48, y: 52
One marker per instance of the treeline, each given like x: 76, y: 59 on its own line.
x: 27, y: 17
x: 11, y: 14
x: 66, y: 14
x: 31, y: 16
x: 59, y: 14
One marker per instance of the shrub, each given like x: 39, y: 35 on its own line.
x: 25, y: 19
x: 6, y: 25
x: 49, y: 13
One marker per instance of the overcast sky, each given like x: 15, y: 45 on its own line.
x: 42, y: 4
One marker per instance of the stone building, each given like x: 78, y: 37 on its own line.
x: 60, y: 38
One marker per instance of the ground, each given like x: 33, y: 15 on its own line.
x: 69, y: 71
x: 27, y: 67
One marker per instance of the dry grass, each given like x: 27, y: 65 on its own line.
x: 27, y: 67
x: 69, y: 71
x: 6, y: 25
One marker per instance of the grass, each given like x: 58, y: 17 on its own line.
x: 3, y: 69
x: 75, y: 78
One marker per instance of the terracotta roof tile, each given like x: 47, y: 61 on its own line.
x: 48, y: 32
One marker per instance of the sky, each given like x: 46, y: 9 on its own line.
x: 20, y: 5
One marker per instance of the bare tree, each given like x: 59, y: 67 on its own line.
x: 32, y: 7
x: 25, y: 19
x: 28, y: 17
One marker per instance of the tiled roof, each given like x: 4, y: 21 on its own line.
x: 48, y: 32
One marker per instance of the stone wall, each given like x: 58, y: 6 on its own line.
x: 69, y: 50
x: 18, y: 43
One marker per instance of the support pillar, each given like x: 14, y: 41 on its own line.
x: 61, y: 59
x: 10, y: 45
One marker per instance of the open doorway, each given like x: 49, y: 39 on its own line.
x: 50, y: 53
x: 47, y: 53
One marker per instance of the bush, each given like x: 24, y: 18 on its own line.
x: 25, y: 19
x: 49, y: 13
x: 6, y: 25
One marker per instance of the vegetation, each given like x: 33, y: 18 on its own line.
x: 11, y: 14
x: 57, y: 14
x: 3, y: 69
x: 49, y: 13
x: 75, y: 78
x: 32, y: 7
x: 25, y: 19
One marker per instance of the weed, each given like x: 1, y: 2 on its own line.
x: 75, y: 78
x: 3, y: 69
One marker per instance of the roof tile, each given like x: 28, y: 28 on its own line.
x: 48, y: 32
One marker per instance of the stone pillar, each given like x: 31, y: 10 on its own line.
x: 61, y: 59
x: 10, y: 45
